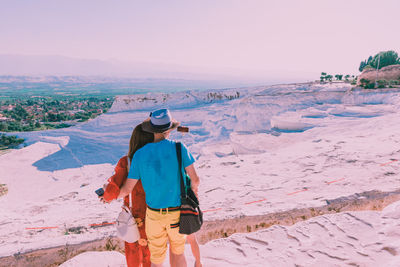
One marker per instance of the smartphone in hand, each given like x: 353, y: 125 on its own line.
x: 99, y: 192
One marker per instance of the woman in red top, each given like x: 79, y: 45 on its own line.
x: 137, y: 254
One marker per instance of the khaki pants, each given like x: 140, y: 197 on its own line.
x: 160, y: 228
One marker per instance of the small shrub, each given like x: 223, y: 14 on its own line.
x: 110, y: 245
x: 364, y: 82
x: 64, y: 253
x: 3, y: 189
x: 75, y: 230
x: 313, y: 212
x: 382, y: 83
x: 394, y: 82
x: 370, y: 86
x: 248, y: 228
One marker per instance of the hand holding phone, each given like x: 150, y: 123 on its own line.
x: 100, y: 192
x: 183, y: 129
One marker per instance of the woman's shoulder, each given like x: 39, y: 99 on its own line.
x: 123, y: 162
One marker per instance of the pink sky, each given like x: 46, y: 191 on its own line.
x: 226, y: 36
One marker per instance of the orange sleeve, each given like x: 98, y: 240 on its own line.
x: 117, y: 180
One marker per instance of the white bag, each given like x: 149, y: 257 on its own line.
x: 126, y: 225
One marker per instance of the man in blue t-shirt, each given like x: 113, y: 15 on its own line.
x: 156, y: 165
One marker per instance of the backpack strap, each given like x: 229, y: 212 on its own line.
x: 179, y: 156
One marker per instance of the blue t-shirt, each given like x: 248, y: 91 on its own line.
x: 156, y: 164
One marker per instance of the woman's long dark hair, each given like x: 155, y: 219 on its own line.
x: 139, y: 138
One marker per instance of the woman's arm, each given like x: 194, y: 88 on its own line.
x: 116, y: 181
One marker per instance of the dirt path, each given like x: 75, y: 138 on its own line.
x: 371, y: 200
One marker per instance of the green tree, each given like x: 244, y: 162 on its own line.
x: 323, y: 76
x: 338, y: 77
x: 3, y: 127
x: 363, y: 64
x: 384, y: 59
x: 19, y: 113
x: 329, y: 77
x: 10, y: 141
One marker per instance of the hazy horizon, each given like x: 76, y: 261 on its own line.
x: 48, y: 65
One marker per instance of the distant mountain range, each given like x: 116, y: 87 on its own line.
x: 59, y: 65
x: 48, y: 65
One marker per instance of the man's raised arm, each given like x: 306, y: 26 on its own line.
x: 127, y: 188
